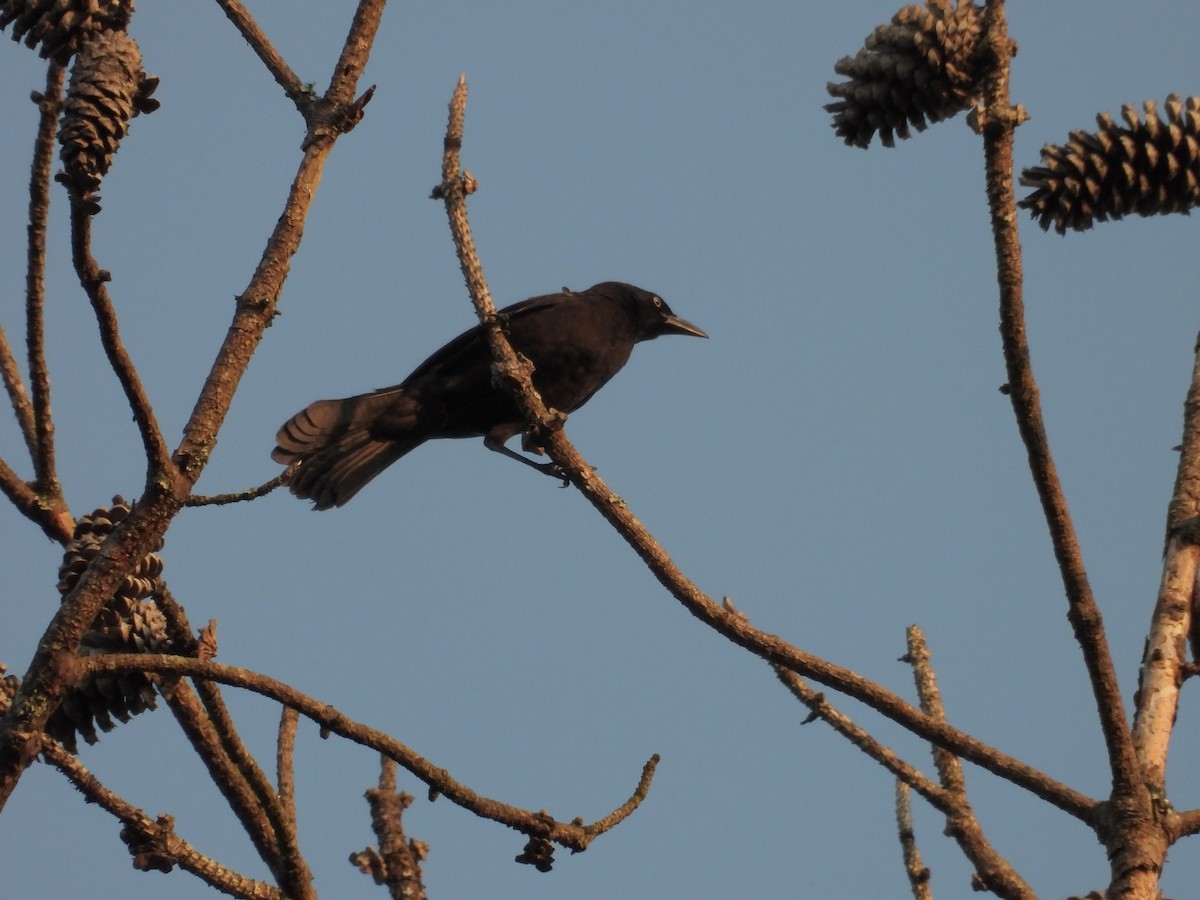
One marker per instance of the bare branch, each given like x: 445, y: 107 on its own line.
x: 998, y: 120
x: 256, y: 304
x: 822, y: 709
x: 93, y: 280
x: 49, y: 106
x: 169, y: 849
x: 572, y: 835
x: 285, y: 769
x: 54, y: 521
x: 14, y: 384
x: 397, y: 863
x: 298, y: 878
x: 251, y: 494
x: 298, y: 92
x: 992, y: 871
x: 918, y: 873
x: 205, y: 719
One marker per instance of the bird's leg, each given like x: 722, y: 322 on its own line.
x: 496, y: 443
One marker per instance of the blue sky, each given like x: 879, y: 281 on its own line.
x: 837, y: 458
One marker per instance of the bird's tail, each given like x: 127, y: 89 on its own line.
x: 338, y: 452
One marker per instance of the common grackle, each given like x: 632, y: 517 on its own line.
x: 576, y: 342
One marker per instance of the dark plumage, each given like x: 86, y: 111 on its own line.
x: 576, y: 342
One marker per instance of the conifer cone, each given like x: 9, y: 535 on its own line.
x: 61, y: 27
x: 130, y: 622
x: 922, y: 68
x: 108, y: 88
x: 1145, y: 167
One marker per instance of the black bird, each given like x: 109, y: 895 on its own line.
x: 576, y: 342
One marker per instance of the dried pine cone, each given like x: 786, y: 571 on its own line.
x: 130, y: 622
x: 1147, y: 168
x: 108, y: 88
x: 922, y: 68
x: 63, y: 26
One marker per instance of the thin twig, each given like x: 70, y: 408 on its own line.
x: 298, y: 92
x: 918, y: 873
x: 251, y: 494
x: 169, y: 847
x: 298, y: 878
x: 992, y: 871
x: 622, y: 812
x: 49, y: 106
x: 93, y: 280
x: 820, y: 708
x: 285, y: 763
x: 726, y: 622
x: 572, y: 835
x: 215, y: 737
x: 229, y: 779
x: 17, y: 395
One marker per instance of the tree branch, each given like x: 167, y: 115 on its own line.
x: 733, y: 626
x: 168, y: 848
x: 50, y: 105
x: 298, y: 92
x: 992, y: 871
x: 572, y: 835
x: 998, y: 121
x: 46, y: 681
x: 93, y: 280
x: 918, y: 873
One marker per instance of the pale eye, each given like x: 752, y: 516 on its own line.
x: 658, y: 301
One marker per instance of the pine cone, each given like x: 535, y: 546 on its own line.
x: 1147, y: 168
x: 920, y: 69
x: 62, y: 27
x: 108, y: 88
x: 130, y: 622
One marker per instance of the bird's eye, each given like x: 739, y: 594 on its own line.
x: 658, y: 301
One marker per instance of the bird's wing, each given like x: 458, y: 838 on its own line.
x: 466, y: 350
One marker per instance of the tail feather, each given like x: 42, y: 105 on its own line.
x: 338, y: 452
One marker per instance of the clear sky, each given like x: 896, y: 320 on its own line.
x: 837, y: 458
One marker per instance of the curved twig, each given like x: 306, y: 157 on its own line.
x: 573, y: 835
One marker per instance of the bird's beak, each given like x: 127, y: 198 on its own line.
x: 672, y: 324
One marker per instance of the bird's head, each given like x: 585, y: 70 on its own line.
x: 650, y: 313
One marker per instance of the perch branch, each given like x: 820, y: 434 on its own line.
x: 726, y: 622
